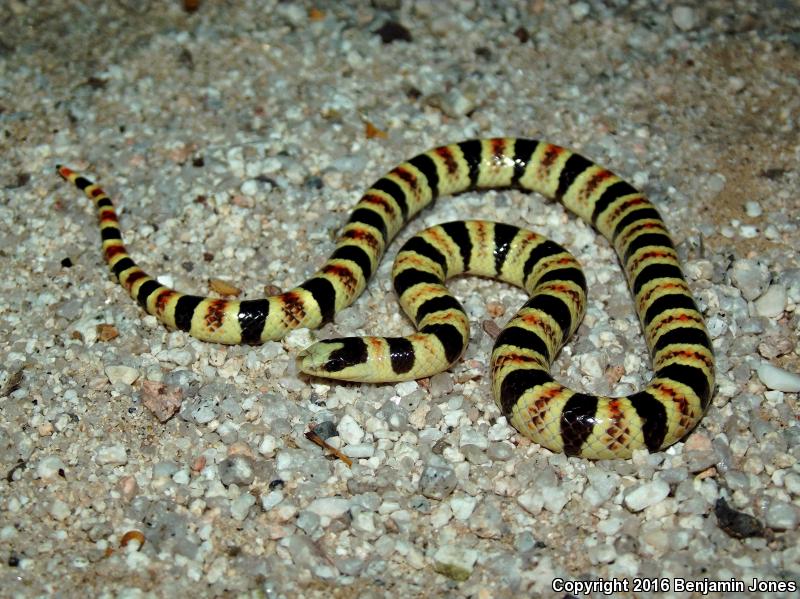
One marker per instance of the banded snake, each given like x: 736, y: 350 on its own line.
x: 547, y: 412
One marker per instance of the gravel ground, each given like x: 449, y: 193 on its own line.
x: 235, y: 138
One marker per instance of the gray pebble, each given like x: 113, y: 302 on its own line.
x: 308, y: 522
x: 781, y: 515
x: 240, y: 507
x: 474, y: 454
x: 420, y: 503
x: 199, y: 410
x: 394, y: 415
x: 525, y: 541
x: 697, y: 461
x: 438, y: 478
x: 236, y: 470
x: 306, y: 554
x: 350, y: 566
x: 441, y: 384
x: 500, y: 451
x: 750, y: 277
x: 487, y: 521
x: 772, y: 302
x: 326, y: 429
x: 165, y: 469
x: 227, y: 432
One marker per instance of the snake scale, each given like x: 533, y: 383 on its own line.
x: 579, y: 424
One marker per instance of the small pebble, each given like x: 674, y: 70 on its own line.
x: 777, y: 378
x: 750, y: 277
x: 438, y: 478
x: 772, y: 303
x: 645, y: 495
x: 121, y: 374
x: 781, y: 515
x: 308, y: 521
x: 48, y: 467
x: 330, y: 507
x: 685, y: 18
x: 500, y: 451
x: 752, y: 209
x: 236, y: 470
x: 240, y: 507
x: 455, y: 562
x: 350, y: 432
x: 579, y: 11
x: 462, y: 506
x: 359, y: 450
x: 113, y: 455
x: 59, y: 510
x: 162, y: 400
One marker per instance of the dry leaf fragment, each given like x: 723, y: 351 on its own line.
x: 371, y: 131
x: 106, y: 332
x: 223, y: 288
x: 317, y: 440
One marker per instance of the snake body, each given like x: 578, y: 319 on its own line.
x: 547, y: 412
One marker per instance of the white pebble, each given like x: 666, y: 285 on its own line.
x: 121, y: 374
x: 454, y: 562
x: 579, y: 10
x: 350, y: 432
x: 500, y: 430
x: 240, y: 506
x: 658, y: 540
x: 463, y: 506
x: 114, y: 455
x: 249, y: 187
x: 330, y: 507
x: 298, y: 339
x: 363, y: 522
x: 406, y: 388
x: 773, y: 302
x: 59, y: 510
x: 792, y: 483
x: 590, y: 366
x: 48, y: 467
x: 781, y: 515
x: 360, y: 450
x: 469, y: 436
x: 602, y: 554
x: 645, y: 495
x: 441, y: 515
x: 749, y: 231
x: 531, y: 501
x: 555, y: 498
x: 271, y: 499
x: 267, y: 445
x: 685, y: 18
x: 753, y: 209
x: 716, y: 326
x: 778, y: 378
x: 735, y: 85
x: 602, y: 486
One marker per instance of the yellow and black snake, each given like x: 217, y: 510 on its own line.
x: 549, y: 413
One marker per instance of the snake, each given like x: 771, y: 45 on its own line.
x: 547, y: 412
